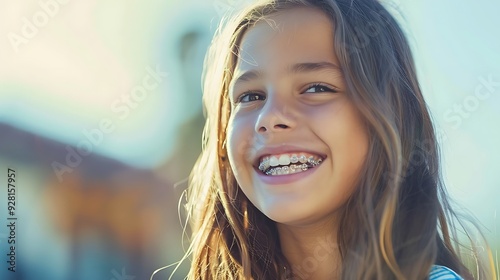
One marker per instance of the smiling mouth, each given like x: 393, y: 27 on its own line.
x: 285, y: 164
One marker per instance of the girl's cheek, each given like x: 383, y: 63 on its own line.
x: 240, y: 125
x: 240, y: 141
x: 235, y: 140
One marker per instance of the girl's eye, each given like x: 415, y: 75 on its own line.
x: 250, y: 96
x: 316, y: 88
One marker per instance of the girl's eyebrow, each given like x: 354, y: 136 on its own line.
x: 247, y: 76
x: 314, y: 66
x: 296, y: 68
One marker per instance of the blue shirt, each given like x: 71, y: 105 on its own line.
x: 439, y: 272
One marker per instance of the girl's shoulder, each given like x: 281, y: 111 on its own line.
x: 439, y: 272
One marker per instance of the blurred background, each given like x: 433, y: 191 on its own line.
x: 101, y: 119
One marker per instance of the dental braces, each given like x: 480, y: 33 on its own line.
x: 293, y: 168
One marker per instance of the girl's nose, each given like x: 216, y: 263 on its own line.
x: 275, y: 116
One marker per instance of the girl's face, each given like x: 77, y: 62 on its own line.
x: 296, y: 142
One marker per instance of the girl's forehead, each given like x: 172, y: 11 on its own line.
x: 297, y: 15
x: 291, y: 20
x: 296, y: 35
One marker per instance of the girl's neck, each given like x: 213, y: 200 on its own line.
x: 311, y: 251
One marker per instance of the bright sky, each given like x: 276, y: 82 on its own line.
x: 456, y: 46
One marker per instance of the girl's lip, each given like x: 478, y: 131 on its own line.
x: 284, y: 179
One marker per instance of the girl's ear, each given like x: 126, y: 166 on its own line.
x: 223, y: 151
x: 224, y: 144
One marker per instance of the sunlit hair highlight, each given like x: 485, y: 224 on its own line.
x: 398, y: 222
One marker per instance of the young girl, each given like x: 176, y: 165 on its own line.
x: 319, y: 159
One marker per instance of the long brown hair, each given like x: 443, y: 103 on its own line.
x: 396, y: 225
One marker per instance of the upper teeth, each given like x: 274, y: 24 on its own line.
x: 286, y: 159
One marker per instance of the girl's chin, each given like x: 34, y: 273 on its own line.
x: 285, y: 213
